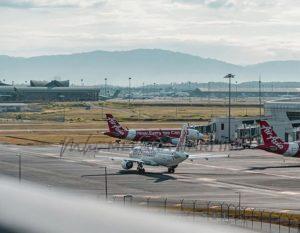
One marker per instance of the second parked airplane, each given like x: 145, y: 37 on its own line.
x: 156, y: 135
x: 275, y: 144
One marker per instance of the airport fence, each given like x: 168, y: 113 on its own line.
x: 231, y: 213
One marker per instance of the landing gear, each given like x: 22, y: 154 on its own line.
x: 140, y: 169
x: 171, y: 169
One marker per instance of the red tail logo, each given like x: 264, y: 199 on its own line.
x: 270, y: 138
x: 114, y: 125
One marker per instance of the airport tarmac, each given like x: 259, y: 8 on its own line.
x: 265, y: 180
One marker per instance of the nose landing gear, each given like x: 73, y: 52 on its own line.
x: 171, y: 169
x: 140, y: 168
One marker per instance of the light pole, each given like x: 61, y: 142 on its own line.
x: 208, y: 89
x: 236, y: 87
x: 105, y: 180
x: 259, y: 86
x: 229, y: 77
x: 20, y: 167
x: 105, y: 86
x: 240, y: 198
x: 129, y: 89
x: 154, y: 89
x: 189, y: 83
x: 64, y: 113
x: 105, y: 174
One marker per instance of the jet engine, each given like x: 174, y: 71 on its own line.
x: 127, y: 165
x: 292, y: 150
x: 194, y: 135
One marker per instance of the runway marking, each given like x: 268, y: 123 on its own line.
x: 212, y: 166
x: 241, y: 170
x: 260, y: 190
x: 207, y: 179
x: 276, y: 175
x: 290, y: 193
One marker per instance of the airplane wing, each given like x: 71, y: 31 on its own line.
x: 135, y: 160
x: 208, y: 156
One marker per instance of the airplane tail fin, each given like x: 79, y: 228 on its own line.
x: 269, y: 137
x: 114, y: 126
x: 181, y: 142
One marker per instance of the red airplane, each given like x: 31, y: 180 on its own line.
x: 157, y: 135
x: 275, y: 144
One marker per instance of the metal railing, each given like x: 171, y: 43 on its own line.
x: 232, y: 213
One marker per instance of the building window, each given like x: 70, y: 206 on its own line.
x: 293, y: 116
x: 296, y: 125
x: 222, y: 126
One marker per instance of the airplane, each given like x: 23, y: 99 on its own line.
x: 158, y: 135
x: 154, y: 156
x: 105, y: 98
x: 273, y: 143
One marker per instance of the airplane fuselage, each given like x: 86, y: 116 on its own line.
x: 288, y: 149
x: 158, y: 157
x: 155, y: 135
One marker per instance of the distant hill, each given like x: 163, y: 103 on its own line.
x: 144, y: 65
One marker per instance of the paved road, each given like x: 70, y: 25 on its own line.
x: 263, y: 179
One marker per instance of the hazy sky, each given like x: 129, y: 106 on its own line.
x: 238, y: 31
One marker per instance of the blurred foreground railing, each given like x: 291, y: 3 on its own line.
x: 249, y: 217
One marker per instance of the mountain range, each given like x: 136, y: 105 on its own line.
x: 143, y: 65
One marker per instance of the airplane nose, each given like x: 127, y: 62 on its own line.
x: 184, y: 156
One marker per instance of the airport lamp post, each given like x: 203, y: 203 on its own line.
x: 129, y: 89
x: 189, y: 83
x: 20, y: 167
x: 208, y: 91
x: 239, y: 204
x: 106, y: 192
x: 102, y: 110
x: 105, y: 86
x: 64, y: 113
x: 105, y: 180
x: 236, y: 87
x: 259, y: 87
x: 143, y: 90
x: 229, y: 77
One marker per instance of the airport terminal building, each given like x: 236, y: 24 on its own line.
x: 283, y: 115
x: 41, y: 91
